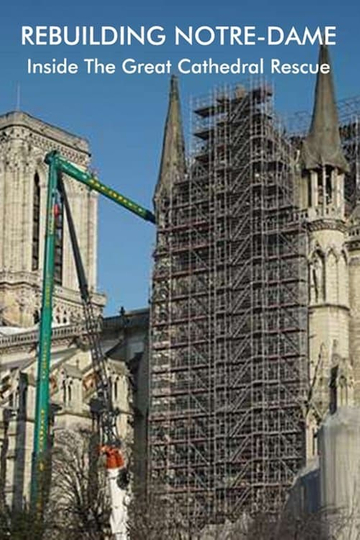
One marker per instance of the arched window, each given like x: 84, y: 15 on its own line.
x: 115, y: 388
x: 23, y: 399
x: 67, y: 390
x: 309, y: 191
x: 70, y: 391
x: 320, y: 187
x: 328, y: 184
x: 36, y: 222
x: 64, y: 389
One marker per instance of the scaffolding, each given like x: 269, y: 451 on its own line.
x: 229, y: 317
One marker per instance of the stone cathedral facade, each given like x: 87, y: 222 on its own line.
x: 24, y: 142
x: 332, y: 227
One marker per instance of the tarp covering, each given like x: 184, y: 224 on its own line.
x: 339, y: 451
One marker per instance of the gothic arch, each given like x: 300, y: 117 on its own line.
x: 68, y: 388
x: 341, y: 384
x: 331, y: 250
x: 116, y: 387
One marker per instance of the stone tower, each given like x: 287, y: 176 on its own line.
x: 228, y: 323
x: 322, y: 197
x: 24, y: 142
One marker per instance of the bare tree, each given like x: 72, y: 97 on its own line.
x: 151, y: 517
x: 79, y: 503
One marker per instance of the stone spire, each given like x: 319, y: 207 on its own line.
x: 322, y: 145
x: 173, y: 152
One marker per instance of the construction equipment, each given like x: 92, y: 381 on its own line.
x: 102, y: 405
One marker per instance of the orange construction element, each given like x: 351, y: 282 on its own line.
x: 114, y: 458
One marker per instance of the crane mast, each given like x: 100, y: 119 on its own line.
x: 102, y: 405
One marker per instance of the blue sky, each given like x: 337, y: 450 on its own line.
x: 123, y: 115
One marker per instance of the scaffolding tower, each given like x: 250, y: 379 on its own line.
x: 229, y: 317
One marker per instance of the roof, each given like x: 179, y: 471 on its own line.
x: 173, y: 152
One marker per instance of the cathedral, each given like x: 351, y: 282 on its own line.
x: 254, y: 356
x: 24, y: 142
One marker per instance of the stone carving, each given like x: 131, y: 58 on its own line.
x: 341, y: 380
x: 317, y: 279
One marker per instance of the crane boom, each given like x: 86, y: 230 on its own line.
x: 94, y: 183
x: 106, y: 411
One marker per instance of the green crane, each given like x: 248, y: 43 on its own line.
x: 58, y: 165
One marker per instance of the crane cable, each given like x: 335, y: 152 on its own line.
x: 102, y: 406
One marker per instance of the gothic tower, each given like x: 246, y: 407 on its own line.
x: 24, y: 142
x: 322, y: 198
x: 228, y: 312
